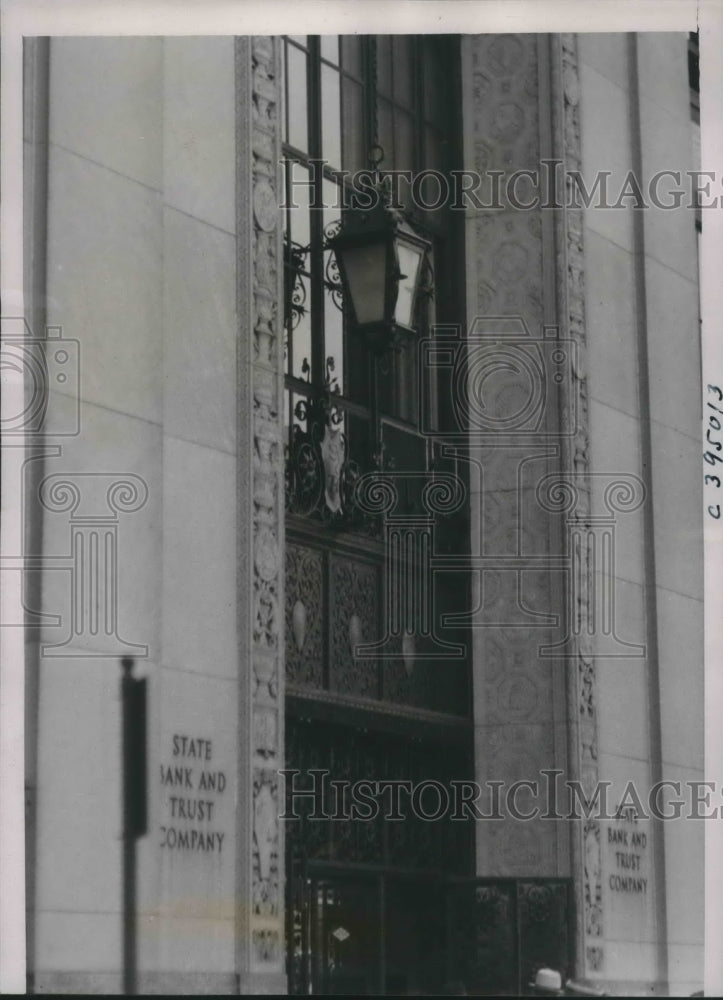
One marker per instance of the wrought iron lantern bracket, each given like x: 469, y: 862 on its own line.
x: 376, y: 266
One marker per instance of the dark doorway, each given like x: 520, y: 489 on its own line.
x: 366, y: 933
x: 345, y: 936
x: 414, y: 937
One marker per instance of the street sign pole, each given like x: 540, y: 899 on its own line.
x: 133, y: 697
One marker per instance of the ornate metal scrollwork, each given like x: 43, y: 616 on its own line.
x: 320, y: 474
x: 296, y: 270
x: 294, y: 286
x: 351, y: 754
x: 332, y: 277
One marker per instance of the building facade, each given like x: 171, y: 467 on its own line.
x: 472, y: 560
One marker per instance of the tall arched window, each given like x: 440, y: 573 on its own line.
x: 400, y: 715
x: 348, y: 411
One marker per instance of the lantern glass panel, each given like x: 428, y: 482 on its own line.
x: 365, y: 268
x: 410, y: 260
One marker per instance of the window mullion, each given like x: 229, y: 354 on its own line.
x: 370, y: 92
x: 419, y: 109
x: 316, y: 222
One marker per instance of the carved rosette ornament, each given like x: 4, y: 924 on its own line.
x: 261, y: 484
x: 581, y: 679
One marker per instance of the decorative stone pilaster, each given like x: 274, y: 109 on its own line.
x: 526, y: 265
x: 518, y: 696
x: 260, y: 883
x: 582, y: 743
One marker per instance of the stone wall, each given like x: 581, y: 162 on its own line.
x: 137, y: 504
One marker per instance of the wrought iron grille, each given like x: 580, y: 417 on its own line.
x: 501, y: 930
x: 334, y: 605
x: 349, y: 755
x: 328, y: 447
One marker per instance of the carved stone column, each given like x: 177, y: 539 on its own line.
x: 513, y: 443
x: 581, y: 688
x: 260, y: 858
x: 533, y: 709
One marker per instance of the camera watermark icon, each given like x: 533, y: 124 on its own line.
x: 504, y: 383
x: 94, y: 503
x: 587, y: 563
x: 510, y: 396
x: 409, y: 602
x: 44, y: 364
x: 591, y: 556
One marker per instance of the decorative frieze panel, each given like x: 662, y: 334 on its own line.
x: 581, y: 676
x: 266, y: 843
x: 354, y: 621
x: 261, y: 484
x: 350, y: 755
x: 304, y: 616
x: 515, y: 702
x: 506, y: 245
x: 509, y: 274
x: 334, y: 606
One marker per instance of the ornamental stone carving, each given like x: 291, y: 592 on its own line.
x: 265, y: 832
x: 260, y: 267
x: 265, y: 205
x: 582, y: 680
x: 266, y: 555
x: 505, y: 53
x: 266, y: 944
x: 265, y: 732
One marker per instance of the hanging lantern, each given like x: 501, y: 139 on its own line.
x: 380, y: 260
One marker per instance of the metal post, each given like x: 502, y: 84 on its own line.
x: 133, y: 697
x: 382, y: 890
x: 129, y: 915
x: 518, y: 935
x: 129, y: 842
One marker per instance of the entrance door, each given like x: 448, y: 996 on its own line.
x: 345, y: 936
x: 335, y: 934
x: 414, y: 936
x: 363, y: 934
x: 501, y: 930
x: 366, y: 934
